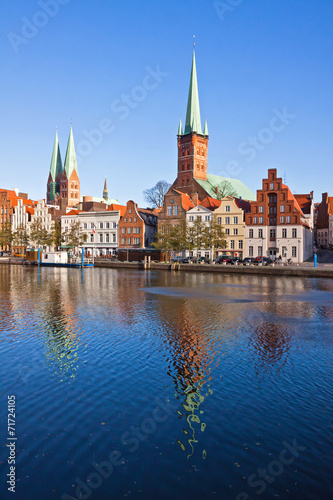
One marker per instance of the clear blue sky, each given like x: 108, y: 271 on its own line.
x: 79, y: 63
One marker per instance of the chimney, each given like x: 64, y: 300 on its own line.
x: 195, y: 199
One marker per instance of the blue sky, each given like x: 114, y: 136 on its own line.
x: 256, y: 60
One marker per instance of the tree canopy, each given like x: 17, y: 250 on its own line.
x: 155, y: 195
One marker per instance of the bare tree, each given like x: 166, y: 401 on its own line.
x: 225, y: 188
x: 155, y: 195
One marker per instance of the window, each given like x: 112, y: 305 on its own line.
x: 284, y: 233
x: 123, y: 230
x: 288, y: 219
x: 259, y: 251
x: 219, y: 220
x: 293, y: 251
x: 271, y: 186
x: 114, y: 225
x: 232, y: 244
x: 207, y: 218
x: 125, y: 219
x: 260, y: 233
x: 282, y: 219
x: 235, y: 220
x: 107, y: 238
x: 261, y: 209
x: 191, y: 218
x: 284, y: 251
x: 240, y: 244
x: 114, y: 237
x: 250, y: 251
x: 129, y: 241
x: 91, y: 238
x: 227, y: 208
x: 227, y: 232
x: 255, y: 220
x: 85, y: 225
x: 92, y: 225
x: 250, y: 233
x: 261, y: 220
x: 236, y: 232
x: 130, y: 210
x: 227, y: 220
x: 123, y: 241
x: 101, y: 225
x: 136, y: 241
x: 294, y: 233
x: 199, y: 217
x: 135, y: 219
x: 129, y: 230
x: 136, y: 230
x: 130, y: 219
x: 101, y: 238
x: 169, y: 210
x: 175, y: 210
x: 272, y: 233
x: 282, y: 209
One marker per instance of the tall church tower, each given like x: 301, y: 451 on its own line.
x: 105, y: 191
x: 70, y: 182
x: 192, y: 142
x: 53, y: 183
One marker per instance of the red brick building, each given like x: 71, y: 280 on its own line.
x: 279, y: 222
x: 324, y: 212
x: 137, y: 227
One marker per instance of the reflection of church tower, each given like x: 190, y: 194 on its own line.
x: 70, y: 182
x: 53, y: 183
x: 192, y: 143
x: 105, y: 191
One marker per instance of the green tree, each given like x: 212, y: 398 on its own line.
x: 225, y: 188
x: 20, y: 236
x: 40, y: 235
x: 213, y: 236
x: 75, y: 238
x: 163, y: 238
x: 58, y: 237
x: 196, y: 233
x: 6, y: 235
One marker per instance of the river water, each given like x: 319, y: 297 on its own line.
x: 162, y: 385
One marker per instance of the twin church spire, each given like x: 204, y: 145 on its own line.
x: 63, y: 182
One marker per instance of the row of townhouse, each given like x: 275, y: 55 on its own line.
x: 118, y: 226
x: 276, y: 224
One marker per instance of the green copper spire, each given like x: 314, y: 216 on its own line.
x: 105, y: 191
x: 70, y: 160
x: 193, y: 122
x: 180, y: 128
x: 56, y: 164
x: 205, y: 132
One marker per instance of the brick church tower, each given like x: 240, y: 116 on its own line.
x: 192, y: 143
x: 70, y: 182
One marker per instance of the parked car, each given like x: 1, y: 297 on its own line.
x: 223, y: 259
x: 265, y: 261
x: 235, y: 261
x: 177, y: 259
x: 248, y: 261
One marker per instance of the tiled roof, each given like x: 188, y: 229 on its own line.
x: 304, y: 201
x: 122, y: 209
x: 210, y: 203
x: 74, y: 212
x: 187, y: 203
x: 243, y: 204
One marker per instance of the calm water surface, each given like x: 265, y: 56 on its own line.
x: 195, y: 386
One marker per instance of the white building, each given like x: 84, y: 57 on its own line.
x: 101, y: 228
x: 42, y: 215
x: 205, y: 216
